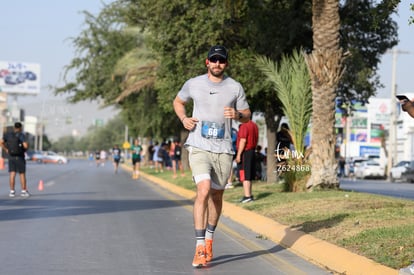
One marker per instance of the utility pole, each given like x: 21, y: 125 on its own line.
x: 392, y: 142
x: 41, y: 124
x: 126, y: 148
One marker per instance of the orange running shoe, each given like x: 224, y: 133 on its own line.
x: 200, y: 256
x: 209, y: 250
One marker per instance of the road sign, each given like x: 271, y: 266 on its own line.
x: 126, y: 145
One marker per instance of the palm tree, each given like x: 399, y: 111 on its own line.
x: 136, y: 69
x: 291, y: 81
x: 325, y: 65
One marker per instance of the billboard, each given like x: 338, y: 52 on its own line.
x: 19, y: 78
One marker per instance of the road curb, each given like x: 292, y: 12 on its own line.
x: 320, y: 252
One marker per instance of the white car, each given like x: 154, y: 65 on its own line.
x: 369, y: 169
x: 397, y: 170
x: 52, y: 157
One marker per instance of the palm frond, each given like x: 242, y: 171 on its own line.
x: 292, y: 84
x: 136, y: 70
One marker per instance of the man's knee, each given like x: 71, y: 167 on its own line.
x: 203, y: 189
x: 217, y: 195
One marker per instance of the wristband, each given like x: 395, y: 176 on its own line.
x: 183, y: 119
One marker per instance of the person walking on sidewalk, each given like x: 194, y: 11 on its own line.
x: 217, y: 100
x: 15, y: 145
x: 247, y: 139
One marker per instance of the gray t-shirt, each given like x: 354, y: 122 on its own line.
x: 213, y: 132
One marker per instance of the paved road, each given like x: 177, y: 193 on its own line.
x: 88, y: 220
x: 400, y: 190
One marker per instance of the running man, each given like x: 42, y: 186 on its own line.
x: 218, y: 99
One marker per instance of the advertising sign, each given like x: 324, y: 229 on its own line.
x: 377, y: 132
x: 359, y: 123
x: 359, y: 135
x: 369, y: 150
x: 19, y: 78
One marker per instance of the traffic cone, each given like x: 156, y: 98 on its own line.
x: 40, y: 186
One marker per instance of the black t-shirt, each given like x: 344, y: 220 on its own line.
x: 14, y: 143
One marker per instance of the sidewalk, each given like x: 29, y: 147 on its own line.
x: 320, y: 252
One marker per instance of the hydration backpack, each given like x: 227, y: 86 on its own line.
x: 15, y: 145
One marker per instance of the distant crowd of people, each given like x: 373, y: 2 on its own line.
x: 166, y: 155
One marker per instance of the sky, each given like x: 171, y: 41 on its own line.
x: 404, y: 61
x: 39, y: 31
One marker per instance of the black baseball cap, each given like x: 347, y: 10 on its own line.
x: 218, y: 51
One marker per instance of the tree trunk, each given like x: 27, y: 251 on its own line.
x: 325, y: 65
x: 272, y: 125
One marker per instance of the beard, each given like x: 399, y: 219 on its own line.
x: 216, y: 72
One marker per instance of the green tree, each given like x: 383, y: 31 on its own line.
x: 65, y: 144
x: 98, y: 48
x: 366, y: 33
x: 411, y: 18
x: 97, y: 138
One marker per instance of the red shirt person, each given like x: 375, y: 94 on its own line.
x: 247, y: 139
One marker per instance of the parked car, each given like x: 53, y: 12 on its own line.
x: 369, y: 169
x: 397, y: 170
x: 52, y: 157
x: 408, y: 174
x: 36, y: 156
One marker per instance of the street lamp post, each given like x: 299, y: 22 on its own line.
x: 392, y: 142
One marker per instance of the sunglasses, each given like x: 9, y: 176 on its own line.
x: 219, y: 59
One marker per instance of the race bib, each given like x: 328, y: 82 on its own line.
x: 212, y: 130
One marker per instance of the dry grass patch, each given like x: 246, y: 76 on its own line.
x: 342, y: 218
